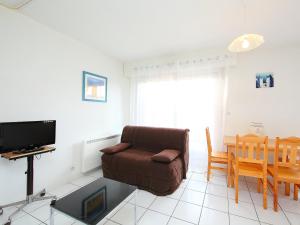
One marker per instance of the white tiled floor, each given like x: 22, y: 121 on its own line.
x: 212, y: 217
x: 195, y: 202
x: 187, y: 212
x: 164, y: 205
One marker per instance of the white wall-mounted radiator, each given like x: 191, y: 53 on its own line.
x: 91, y: 157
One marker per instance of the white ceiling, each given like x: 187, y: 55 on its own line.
x: 137, y: 29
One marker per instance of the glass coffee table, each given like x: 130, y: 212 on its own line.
x: 93, y: 202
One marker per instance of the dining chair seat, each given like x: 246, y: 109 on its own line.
x: 249, y: 169
x: 220, y: 156
x: 291, y: 175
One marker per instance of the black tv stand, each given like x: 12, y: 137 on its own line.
x: 30, y: 197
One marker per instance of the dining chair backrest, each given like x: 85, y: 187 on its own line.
x: 208, y: 140
x: 287, y: 151
x: 248, y: 149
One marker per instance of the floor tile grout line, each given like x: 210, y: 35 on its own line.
x: 191, y: 202
x: 253, y: 203
x: 108, y: 218
x: 206, y: 193
x: 232, y: 214
x: 283, y: 211
x: 288, y: 211
x: 178, y: 201
x: 184, y: 188
x: 26, y: 214
x: 196, y: 205
x: 228, y: 199
x: 281, y: 208
x: 58, y: 198
x: 30, y: 213
x: 23, y: 210
x: 214, y: 209
x: 147, y: 208
x: 135, y: 205
x: 111, y: 221
x: 38, y: 218
x: 203, y: 204
x: 182, y: 220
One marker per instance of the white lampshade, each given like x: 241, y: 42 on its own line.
x: 246, y: 43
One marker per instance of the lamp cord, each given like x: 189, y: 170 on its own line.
x: 245, y: 12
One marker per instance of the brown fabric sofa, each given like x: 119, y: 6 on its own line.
x: 140, y: 158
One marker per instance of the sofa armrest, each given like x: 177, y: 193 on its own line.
x: 166, y: 156
x: 116, y: 148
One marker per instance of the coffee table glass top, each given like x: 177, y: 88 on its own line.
x: 91, y: 203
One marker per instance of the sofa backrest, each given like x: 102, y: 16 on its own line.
x: 155, y: 139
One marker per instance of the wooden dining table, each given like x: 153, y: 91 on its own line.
x: 229, y: 142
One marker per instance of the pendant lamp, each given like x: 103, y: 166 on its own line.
x: 246, y: 42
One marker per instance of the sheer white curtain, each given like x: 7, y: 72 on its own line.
x: 181, y: 96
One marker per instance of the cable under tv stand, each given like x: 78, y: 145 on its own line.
x: 30, y: 197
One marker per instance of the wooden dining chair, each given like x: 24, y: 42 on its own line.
x: 286, y: 167
x: 247, y: 160
x: 214, y: 157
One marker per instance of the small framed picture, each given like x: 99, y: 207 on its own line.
x: 94, y: 87
x: 264, y: 80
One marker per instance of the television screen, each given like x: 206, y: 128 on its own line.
x: 26, y: 135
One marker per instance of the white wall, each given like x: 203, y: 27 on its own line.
x: 41, y: 79
x: 277, y: 108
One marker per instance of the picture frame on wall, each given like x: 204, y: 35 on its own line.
x: 264, y: 80
x: 94, y: 87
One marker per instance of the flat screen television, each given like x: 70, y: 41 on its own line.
x: 28, y: 135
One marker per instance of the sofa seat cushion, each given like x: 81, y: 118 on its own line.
x: 135, y: 166
x: 131, y: 160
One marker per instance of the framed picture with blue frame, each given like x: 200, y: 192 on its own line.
x: 94, y: 87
